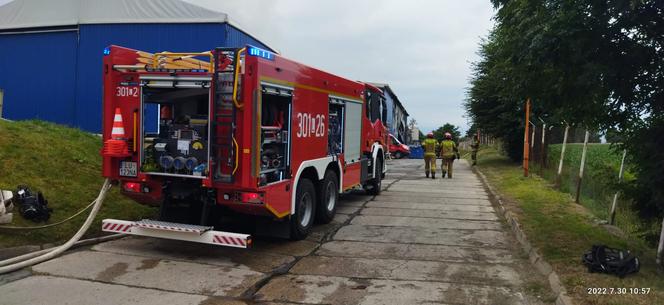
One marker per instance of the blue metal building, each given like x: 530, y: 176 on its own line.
x: 51, y: 51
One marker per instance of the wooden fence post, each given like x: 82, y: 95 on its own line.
x: 583, y: 164
x: 660, y: 247
x: 526, y: 146
x: 541, y: 156
x: 612, y: 218
x: 532, y: 137
x: 562, y: 156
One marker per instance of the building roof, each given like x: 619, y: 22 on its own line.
x: 387, y: 88
x: 26, y: 14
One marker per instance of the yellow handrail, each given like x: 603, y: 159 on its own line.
x: 237, y: 152
x: 235, y: 78
x: 155, y: 57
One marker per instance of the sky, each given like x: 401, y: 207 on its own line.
x: 422, y: 48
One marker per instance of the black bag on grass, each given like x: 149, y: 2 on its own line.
x: 609, y: 260
x: 32, y: 206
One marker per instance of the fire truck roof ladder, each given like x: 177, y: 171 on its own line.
x: 226, y: 104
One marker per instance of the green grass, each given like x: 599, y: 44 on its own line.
x: 598, y: 185
x: 65, y: 165
x: 563, y: 231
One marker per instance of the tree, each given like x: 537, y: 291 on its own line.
x: 439, y: 133
x: 595, y: 64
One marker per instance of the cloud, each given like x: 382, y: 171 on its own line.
x: 423, y: 49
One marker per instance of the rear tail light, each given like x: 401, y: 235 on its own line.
x: 133, y: 187
x: 251, y: 198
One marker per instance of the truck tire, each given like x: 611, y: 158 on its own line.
x: 398, y: 155
x: 329, y: 196
x: 377, y: 183
x: 305, y: 210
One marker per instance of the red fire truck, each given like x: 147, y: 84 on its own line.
x: 243, y: 130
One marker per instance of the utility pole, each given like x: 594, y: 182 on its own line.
x: 526, y: 145
x: 583, y: 164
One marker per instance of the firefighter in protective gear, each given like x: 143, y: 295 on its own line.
x: 430, y: 146
x: 448, y: 152
x: 475, y: 146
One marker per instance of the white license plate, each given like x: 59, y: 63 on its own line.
x: 128, y: 169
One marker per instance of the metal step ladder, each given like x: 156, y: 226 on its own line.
x: 226, y: 90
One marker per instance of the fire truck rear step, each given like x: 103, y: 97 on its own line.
x: 177, y: 231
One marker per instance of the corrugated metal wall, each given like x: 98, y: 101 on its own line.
x: 57, y: 76
x: 390, y: 112
x: 237, y: 38
x: 37, y: 75
x: 146, y: 37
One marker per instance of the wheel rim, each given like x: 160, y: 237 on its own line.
x: 306, y: 206
x: 331, y: 198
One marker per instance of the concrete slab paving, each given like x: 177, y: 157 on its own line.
x: 347, y: 209
x: 468, y: 184
x: 286, y: 247
x: 312, y: 289
x: 422, y: 241
x: 353, y: 202
x: 136, y: 271
x: 469, y: 216
x: 443, y: 201
x: 256, y: 260
x: 405, y: 221
x: 430, y: 206
x: 458, y: 189
x: 419, y: 235
x: 429, y: 196
x: 48, y: 290
x: 399, y: 269
x: 441, y: 253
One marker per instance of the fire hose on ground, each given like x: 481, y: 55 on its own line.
x: 37, y: 257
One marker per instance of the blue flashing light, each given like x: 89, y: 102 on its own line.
x: 254, y: 51
x: 107, y: 51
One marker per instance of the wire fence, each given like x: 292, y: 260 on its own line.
x: 573, y: 161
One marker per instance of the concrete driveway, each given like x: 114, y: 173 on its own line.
x: 422, y: 241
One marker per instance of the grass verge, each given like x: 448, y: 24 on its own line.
x: 599, y: 184
x: 563, y: 231
x: 65, y: 165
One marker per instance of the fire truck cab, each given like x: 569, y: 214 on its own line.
x: 240, y: 129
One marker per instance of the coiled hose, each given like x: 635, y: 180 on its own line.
x: 37, y: 257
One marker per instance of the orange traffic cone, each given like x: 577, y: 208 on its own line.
x: 118, y: 132
x: 117, y: 145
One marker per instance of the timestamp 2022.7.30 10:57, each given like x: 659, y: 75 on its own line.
x: 617, y: 290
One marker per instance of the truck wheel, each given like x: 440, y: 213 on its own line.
x: 398, y: 155
x: 329, y: 195
x: 305, y: 210
x: 377, y: 183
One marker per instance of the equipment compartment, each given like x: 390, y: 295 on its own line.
x: 335, y: 136
x: 275, y: 134
x: 175, y: 130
